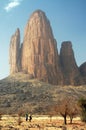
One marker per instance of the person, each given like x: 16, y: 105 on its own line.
x: 26, y: 116
x: 30, y: 118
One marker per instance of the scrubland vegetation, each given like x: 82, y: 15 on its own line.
x: 62, y: 107
x: 66, y: 115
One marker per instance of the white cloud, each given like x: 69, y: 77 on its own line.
x: 12, y: 4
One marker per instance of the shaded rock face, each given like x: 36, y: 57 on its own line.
x: 14, y: 53
x: 69, y: 67
x: 82, y: 69
x: 39, y: 53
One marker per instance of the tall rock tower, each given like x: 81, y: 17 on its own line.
x: 39, y: 51
x: 14, y: 52
x: 70, y: 69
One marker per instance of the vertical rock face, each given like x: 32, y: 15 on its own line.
x: 39, y: 52
x: 82, y: 69
x: 69, y: 67
x: 15, y: 52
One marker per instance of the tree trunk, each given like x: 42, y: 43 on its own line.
x: 65, y: 121
x: 50, y: 118
x: 71, y: 118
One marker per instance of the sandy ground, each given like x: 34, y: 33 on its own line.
x: 40, y: 123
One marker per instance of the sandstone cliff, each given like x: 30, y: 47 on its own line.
x: 69, y: 67
x: 14, y: 52
x: 38, y: 54
x: 82, y: 69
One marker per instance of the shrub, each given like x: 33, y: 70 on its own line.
x: 19, y: 120
x: 20, y: 113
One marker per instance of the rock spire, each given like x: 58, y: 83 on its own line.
x: 14, y: 52
x: 69, y: 67
x: 39, y: 53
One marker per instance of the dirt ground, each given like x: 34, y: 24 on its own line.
x: 39, y: 123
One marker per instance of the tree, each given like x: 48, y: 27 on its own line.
x: 62, y: 109
x: 68, y: 107
x: 73, y: 111
x: 51, y: 110
x: 82, y: 104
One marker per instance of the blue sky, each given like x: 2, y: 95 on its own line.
x: 67, y: 18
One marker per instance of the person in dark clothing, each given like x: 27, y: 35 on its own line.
x: 30, y: 118
x: 26, y: 116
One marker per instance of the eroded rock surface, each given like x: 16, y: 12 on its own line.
x: 38, y: 55
x: 69, y: 67
x: 82, y: 69
x: 14, y: 52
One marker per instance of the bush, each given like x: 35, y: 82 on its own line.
x: 19, y: 121
x: 20, y: 114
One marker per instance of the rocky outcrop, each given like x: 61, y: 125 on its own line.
x: 82, y: 69
x: 39, y: 54
x: 14, y: 53
x: 70, y: 69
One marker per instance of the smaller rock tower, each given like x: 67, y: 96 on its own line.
x: 70, y: 69
x: 14, y: 53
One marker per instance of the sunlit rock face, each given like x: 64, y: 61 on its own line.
x: 14, y: 52
x: 39, y: 52
x: 69, y: 67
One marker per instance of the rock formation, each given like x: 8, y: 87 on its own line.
x: 15, y: 52
x: 38, y: 55
x: 70, y: 69
x: 39, y: 52
x: 82, y: 69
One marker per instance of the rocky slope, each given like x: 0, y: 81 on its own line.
x: 19, y: 91
x: 38, y: 55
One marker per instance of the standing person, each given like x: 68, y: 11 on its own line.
x: 26, y: 116
x: 30, y: 118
